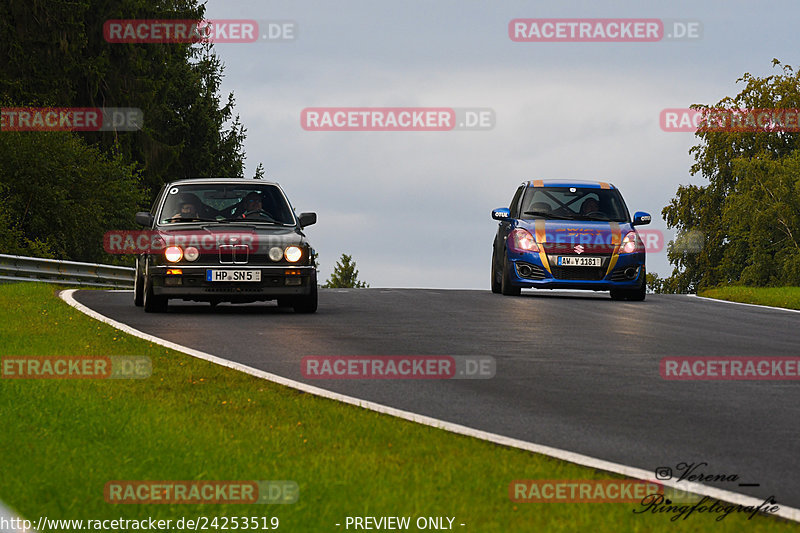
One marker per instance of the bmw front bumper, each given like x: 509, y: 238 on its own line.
x: 191, y: 283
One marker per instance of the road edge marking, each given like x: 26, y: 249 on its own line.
x: 742, y: 303
x: 10, y: 516
x: 789, y: 513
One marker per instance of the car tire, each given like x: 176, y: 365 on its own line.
x: 307, y: 304
x: 138, y: 286
x: 153, y: 303
x: 496, y: 284
x: 638, y: 295
x: 505, y: 285
x: 633, y: 295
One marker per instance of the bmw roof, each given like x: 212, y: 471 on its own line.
x: 221, y: 181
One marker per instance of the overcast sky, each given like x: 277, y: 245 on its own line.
x: 413, y: 208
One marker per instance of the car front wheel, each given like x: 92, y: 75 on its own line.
x: 153, y: 303
x: 138, y: 286
x: 638, y: 295
x: 308, y: 303
x: 496, y: 284
x: 617, y: 294
x: 505, y: 285
x: 634, y: 295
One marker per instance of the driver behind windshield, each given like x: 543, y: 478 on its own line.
x: 590, y: 206
x: 252, y: 206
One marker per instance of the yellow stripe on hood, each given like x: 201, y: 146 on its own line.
x: 616, y: 240
x: 541, y: 238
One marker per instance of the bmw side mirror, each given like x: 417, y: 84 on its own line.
x: 641, y: 218
x: 144, y: 218
x: 501, y: 213
x: 306, y: 219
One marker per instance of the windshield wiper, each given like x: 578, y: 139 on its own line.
x: 253, y: 220
x: 547, y: 215
x: 604, y: 218
x: 188, y: 219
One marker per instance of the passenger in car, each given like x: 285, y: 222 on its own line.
x: 187, y: 210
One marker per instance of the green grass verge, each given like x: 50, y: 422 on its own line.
x: 62, y: 440
x: 788, y: 297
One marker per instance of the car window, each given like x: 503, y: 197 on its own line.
x: 154, y: 205
x: 514, y: 207
x: 573, y: 203
x: 185, y: 203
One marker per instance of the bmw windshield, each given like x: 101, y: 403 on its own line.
x: 253, y: 203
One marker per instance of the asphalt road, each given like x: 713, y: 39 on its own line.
x: 577, y: 372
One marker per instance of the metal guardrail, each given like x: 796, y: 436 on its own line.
x: 17, y: 268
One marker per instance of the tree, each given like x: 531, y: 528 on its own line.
x: 60, y: 191
x: 744, y: 226
x: 12, y: 239
x: 260, y: 172
x: 654, y: 282
x: 763, y: 211
x: 54, y: 53
x: 60, y: 195
x: 345, y: 275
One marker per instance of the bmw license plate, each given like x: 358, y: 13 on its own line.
x: 233, y: 275
x: 572, y: 261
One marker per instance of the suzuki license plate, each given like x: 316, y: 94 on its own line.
x: 572, y: 261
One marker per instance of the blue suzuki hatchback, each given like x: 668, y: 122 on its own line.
x: 560, y: 234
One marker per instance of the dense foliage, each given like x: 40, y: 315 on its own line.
x: 59, y: 191
x: 744, y: 226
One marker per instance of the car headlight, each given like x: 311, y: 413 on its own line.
x: 630, y: 243
x: 293, y: 254
x: 521, y: 240
x: 173, y: 254
x: 191, y: 253
x: 275, y: 253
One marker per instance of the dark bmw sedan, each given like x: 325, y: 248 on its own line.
x: 226, y: 240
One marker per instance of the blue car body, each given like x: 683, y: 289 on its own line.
x: 560, y: 234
